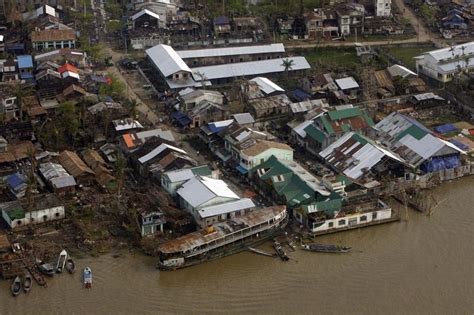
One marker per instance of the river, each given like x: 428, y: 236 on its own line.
x: 420, y: 266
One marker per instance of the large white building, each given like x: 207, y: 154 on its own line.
x: 444, y: 64
x: 383, y: 7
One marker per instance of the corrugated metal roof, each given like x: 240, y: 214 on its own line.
x: 249, y: 68
x: 400, y: 71
x: 428, y: 96
x: 455, y: 51
x: 199, y: 190
x: 167, y: 60
x: 224, y: 208
x: 126, y: 124
x: 266, y: 85
x: 157, y: 151
x: 244, y: 118
x: 347, y: 83
x: 231, y: 51
x: 187, y: 173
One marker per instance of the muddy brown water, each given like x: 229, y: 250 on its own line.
x: 423, y: 266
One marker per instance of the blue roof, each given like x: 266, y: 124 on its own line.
x: 300, y: 95
x: 16, y: 180
x: 25, y: 61
x: 181, y: 118
x: 221, y: 20
x: 459, y: 144
x: 446, y: 128
x: 26, y: 76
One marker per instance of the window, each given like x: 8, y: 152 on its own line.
x: 374, y: 215
x: 341, y: 222
x: 330, y: 224
x: 363, y: 218
x: 231, y: 60
x: 56, y: 214
x: 241, y: 59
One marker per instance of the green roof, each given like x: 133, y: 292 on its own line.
x: 369, y: 120
x: 414, y: 131
x: 16, y: 212
x: 344, y: 113
x: 327, y: 124
x: 315, y: 133
x: 203, y: 170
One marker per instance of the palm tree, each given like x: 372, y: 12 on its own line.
x: 288, y: 65
x: 133, y: 108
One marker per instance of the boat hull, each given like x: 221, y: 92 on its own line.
x: 224, y: 252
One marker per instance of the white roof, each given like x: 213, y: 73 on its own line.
x: 428, y: 96
x: 126, y: 124
x: 455, y: 51
x: 231, y: 51
x: 222, y: 123
x: 224, y: 208
x: 157, y: 151
x: 1, y: 38
x: 71, y: 74
x: 425, y: 147
x: 347, y: 83
x: 166, y: 60
x: 46, y: 9
x: 163, y: 134
x: 145, y: 11
x: 185, y: 91
x: 266, y: 85
x: 180, y: 175
x: 241, y: 69
x: 201, y: 189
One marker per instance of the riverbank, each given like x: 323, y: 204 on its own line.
x: 420, y: 266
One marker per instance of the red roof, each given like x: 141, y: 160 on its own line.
x: 471, y: 131
x: 67, y: 67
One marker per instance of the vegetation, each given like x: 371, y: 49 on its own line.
x: 406, y: 54
x: 115, y: 89
x: 329, y: 58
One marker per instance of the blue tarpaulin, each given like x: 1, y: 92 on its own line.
x: 446, y: 128
x: 16, y: 180
x: 441, y: 163
x: 181, y: 119
x: 300, y: 95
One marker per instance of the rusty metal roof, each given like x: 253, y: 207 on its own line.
x: 220, y: 230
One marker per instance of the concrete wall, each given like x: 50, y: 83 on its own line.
x: 37, y: 217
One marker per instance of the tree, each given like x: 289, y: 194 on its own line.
x: 115, y: 88
x: 288, y: 65
x: 202, y: 78
x: 428, y: 13
x: 69, y: 119
x: 132, y: 105
x: 19, y: 93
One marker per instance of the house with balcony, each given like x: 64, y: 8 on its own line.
x: 50, y: 39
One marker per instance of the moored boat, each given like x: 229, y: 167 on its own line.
x: 27, y: 282
x: 70, y: 266
x: 280, y: 252
x: 87, y: 274
x: 16, y: 286
x: 323, y: 248
x: 46, y: 268
x: 223, y: 238
x: 61, y: 261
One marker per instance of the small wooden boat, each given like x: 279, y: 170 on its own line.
x: 27, y: 282
x: 70, y: 266
x: 16, y: 286
x: 45, y: 268
x: 61, y: 261
x: 280, y: 252
x: 87, y: 277
x: 322, y: 248
x: 261, y: 252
